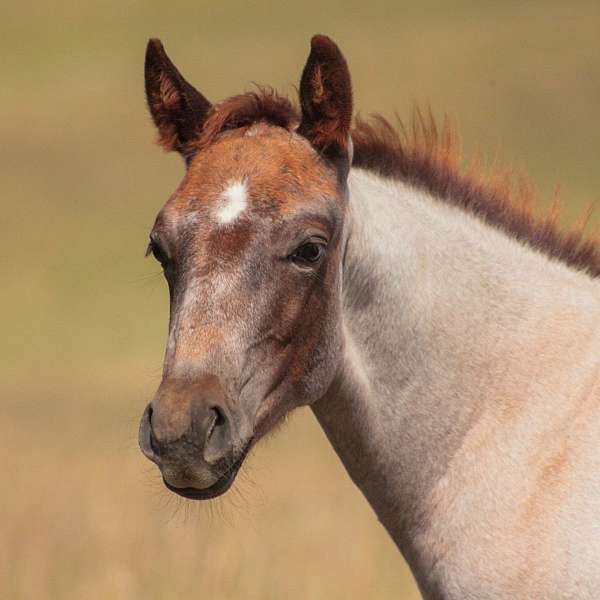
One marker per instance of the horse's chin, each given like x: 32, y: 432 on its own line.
x: 218, y: 488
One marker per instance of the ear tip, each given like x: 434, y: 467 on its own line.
x: 324, y: 47
x: 320, y: 38
x: 154, y: 47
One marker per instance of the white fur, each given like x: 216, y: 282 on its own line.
x: 476, y: 437
x: 232, y: 202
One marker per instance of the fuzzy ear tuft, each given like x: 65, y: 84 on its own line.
x: 326, y: 101
x: 177, y: 108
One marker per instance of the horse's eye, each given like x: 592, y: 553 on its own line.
x: 309, y: 253
x: 159, y: 254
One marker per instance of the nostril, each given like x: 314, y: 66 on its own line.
x: 217, y: 419
x: 151, y: 436
x: 146, y: 437
x: 217, y: 441
x: 220, y: 416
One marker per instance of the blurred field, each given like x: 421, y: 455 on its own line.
x: 84, y: 315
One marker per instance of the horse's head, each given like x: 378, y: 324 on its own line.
x: 251, y: 245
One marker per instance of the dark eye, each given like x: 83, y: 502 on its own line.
x: 159, y: 254
x: 309, y: 253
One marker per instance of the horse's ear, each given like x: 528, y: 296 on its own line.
x: 326, y: 102
x: 177, y: 108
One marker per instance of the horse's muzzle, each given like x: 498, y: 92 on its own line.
x: 194, y: 450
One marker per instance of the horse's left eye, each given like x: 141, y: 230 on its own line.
x: 309, y: 253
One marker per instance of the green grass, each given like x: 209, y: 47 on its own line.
x: 83, y: 515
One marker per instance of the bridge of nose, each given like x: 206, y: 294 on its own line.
x: 182, y: 408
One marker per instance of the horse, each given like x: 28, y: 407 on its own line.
x: 446, y: 336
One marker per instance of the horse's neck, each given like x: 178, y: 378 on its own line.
x: 446, y: 320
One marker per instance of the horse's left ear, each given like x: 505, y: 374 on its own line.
x: 326, y: 102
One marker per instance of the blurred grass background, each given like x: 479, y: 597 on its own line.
x: 84, y: 316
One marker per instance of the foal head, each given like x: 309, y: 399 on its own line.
x: 251, y: 245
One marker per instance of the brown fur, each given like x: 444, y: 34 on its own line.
x: 326, y: 98
x: 177, y: 108
x: 427, y: 156
x: 244, y: 110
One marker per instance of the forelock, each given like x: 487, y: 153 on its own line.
x: 244, y: 110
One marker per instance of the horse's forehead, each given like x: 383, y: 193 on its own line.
x: 260, y: 168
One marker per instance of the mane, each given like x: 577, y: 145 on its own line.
x: 427, y: 156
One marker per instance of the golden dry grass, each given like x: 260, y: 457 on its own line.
x: 84, y: 316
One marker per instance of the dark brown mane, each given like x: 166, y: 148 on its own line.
x: 428, y: 157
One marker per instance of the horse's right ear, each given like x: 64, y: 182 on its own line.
x: 177, y: 108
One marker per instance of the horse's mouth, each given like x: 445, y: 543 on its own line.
x: 216, y: 489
